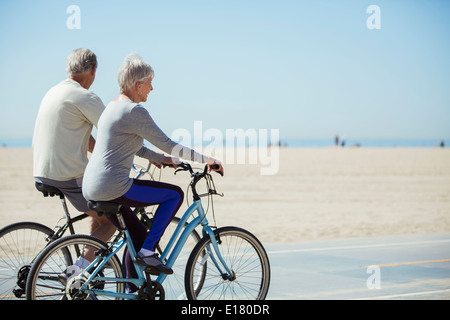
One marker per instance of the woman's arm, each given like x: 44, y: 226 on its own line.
x: 149, y: 130
x: 156, y: 158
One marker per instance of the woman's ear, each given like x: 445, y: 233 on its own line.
x: 138, y: 85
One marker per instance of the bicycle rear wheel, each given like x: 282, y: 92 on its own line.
x: 20, y: 243
x: 43, y: 282
x: 244, y: 255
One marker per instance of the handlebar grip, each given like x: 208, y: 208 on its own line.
x: 216, y: 167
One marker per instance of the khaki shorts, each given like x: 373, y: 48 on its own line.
x: 71, y: 190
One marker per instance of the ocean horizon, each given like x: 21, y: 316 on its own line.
x: 298, y: 143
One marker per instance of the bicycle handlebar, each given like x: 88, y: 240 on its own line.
x: 197, y: 176
x: 184, y: 166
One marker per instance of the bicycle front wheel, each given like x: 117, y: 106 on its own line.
x: 43, y: 281
x: 243, y: 254
x: 20, y: 243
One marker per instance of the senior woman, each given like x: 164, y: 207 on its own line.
x: 123, y: 126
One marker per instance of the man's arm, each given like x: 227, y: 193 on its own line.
x: 91, y: 144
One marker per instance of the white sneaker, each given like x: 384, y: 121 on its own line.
x: 71, y: 271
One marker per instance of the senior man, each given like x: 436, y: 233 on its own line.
x: 62, y: 138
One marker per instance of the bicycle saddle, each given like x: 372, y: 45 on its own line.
x: 48, y: 190
x: 104, y: 207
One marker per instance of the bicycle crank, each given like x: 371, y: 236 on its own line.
x: 151, y: 290
x: 73, y: 291
x: 154, y: 291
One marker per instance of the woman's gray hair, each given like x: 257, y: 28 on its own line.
x: 81, y: 61
x: 133, y: 69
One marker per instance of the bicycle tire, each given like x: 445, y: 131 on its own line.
x: 56, y: 258
x: 246, y: 257
x: 20, y: 244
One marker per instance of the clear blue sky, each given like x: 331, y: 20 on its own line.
x: 309, y: 68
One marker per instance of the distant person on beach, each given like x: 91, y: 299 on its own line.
x: 62, y: 138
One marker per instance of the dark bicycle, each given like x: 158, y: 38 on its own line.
x: 21, y: 242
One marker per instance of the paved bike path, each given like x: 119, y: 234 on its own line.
x: 391, y: 267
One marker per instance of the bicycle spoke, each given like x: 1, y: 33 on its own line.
x: 44, y: 278
x: 243, y: 255
x: 20, y: 243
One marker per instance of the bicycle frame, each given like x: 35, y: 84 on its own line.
x: 68, y: 225
x: 71, y: 220
x: 206, y: 230
x: 168, y: 253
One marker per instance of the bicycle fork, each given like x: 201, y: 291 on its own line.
x: 213, y: 253
x: 216, y: 256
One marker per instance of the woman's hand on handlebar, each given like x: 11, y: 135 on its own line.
x: 215, y: 165
x: 168, y: 162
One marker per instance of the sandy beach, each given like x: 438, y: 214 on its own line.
x: 317, y: 194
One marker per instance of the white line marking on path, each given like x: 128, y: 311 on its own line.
x: 404, y: 295
x: 360, y: 246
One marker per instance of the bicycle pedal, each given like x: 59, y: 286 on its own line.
x: 152, y: 271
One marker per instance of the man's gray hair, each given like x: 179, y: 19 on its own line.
x: 81, y: 61
x: 133, y: 69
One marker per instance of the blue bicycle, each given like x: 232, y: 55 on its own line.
x: 227, y: 263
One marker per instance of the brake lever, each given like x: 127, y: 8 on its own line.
x: 214, y: 192
x: 179, y: 170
